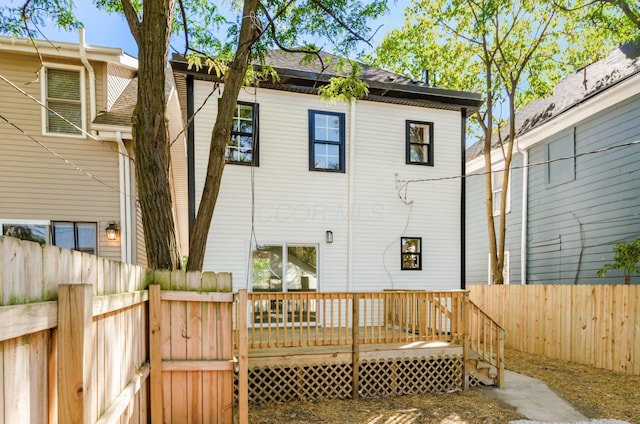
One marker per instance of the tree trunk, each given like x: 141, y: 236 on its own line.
x: 151, y: 137
x: 233, y: 80
x: 494, y: 259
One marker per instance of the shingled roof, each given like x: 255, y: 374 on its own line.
x: 384, y: 86
x: 585, y: 83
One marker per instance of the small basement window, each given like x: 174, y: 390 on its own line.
x: 411, y: 253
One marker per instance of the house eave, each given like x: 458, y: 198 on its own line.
x: 309, y: 82
x: 68, y: 50
x: 581, y: 110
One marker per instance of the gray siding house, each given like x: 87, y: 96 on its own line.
x: 575, y: 185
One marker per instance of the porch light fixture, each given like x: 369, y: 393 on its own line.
x: 329, y: 237
x: 112, y: 231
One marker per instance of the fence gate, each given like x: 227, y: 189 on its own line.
x: 191, y: 349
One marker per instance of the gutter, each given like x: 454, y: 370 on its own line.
x: 350, y: 190
x: 92, y: 75
x: 126, y: 235
x: 525, y: 212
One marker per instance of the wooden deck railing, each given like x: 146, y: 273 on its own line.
x: 301, y: 319
x: 486, y: 338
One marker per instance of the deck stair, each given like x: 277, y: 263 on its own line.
x: 482, y: 371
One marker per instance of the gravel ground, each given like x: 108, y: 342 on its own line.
x: 595, y: 393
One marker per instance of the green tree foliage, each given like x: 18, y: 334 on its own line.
x: 251, y: 28
x: 626, y: 258
x: 511, y: 51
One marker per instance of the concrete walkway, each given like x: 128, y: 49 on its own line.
x: 533, y: 399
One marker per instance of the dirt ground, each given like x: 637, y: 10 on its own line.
x: 595, y: 393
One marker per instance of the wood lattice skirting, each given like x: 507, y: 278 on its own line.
x: 378, y: 377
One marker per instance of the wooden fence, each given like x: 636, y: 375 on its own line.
x: 597, y: 325
x: 72, y: 352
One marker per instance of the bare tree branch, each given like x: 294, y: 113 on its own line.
x: 132, y: 19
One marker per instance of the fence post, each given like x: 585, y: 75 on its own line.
x: 466, y: 310
x: 355, y: 338
x: 243, y: 357
x: 155, y: 354
x: 75, y: 311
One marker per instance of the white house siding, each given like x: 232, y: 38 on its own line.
x: 381, y: 218
x: 35, y: 184
x: 295, y: 205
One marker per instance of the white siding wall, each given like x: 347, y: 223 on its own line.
x: 294, y: 205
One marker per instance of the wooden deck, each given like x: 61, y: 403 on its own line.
x: 305, y: 346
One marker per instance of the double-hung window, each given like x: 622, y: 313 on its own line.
x: 326, y: 141
x: 419, y: 143
x: 242, y: 147
x: 497, y: 186
x: 561, y: 163
x: 63, y: 94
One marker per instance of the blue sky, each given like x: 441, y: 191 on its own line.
x: 107, y: 30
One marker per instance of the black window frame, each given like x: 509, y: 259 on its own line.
x: 255, y: 158
x: 75, y: 234
x: 408, y: 143
x: 404, y: 254
x: 340, y: 143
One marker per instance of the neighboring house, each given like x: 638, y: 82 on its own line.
x: 66, y: 155
x: 312, y: 194
x: 573, y: 192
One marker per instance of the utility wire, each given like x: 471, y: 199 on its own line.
x: 405, y: 183
x: 48, y: 109
x: 57, y: 155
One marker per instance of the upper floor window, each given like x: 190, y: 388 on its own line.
x: 326, y: 141
x: 242, y: 147
x: 63, y: 94
x: 411, y: 253
x: 419, y: 143
x: 497, y: 185
x: 561, y: 160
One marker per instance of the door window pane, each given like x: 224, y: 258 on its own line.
x: 302, y: 268
x: 266, y: 269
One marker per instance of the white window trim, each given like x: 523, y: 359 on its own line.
x: 285, y: 259
x: 507, y: 209
x: 43, y: 98
x: 506, y: 271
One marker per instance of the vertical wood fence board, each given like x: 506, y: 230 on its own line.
x: 52, y: 369
x: 16, y: 372
x: 194, y: 351
x: 209, y: 317
x: 3, y: 389
x: 74, y: 346
x: 592, y: 325
x: 155, y: 354
x: 165, y: 326
x: 178, y: 351
x: 243, y: 357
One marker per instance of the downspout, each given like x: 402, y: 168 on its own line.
x: 350, y: 191
x: 463, y: 200
x: 92, y: 75
x: 126, y: 234
x: 523, y: 224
